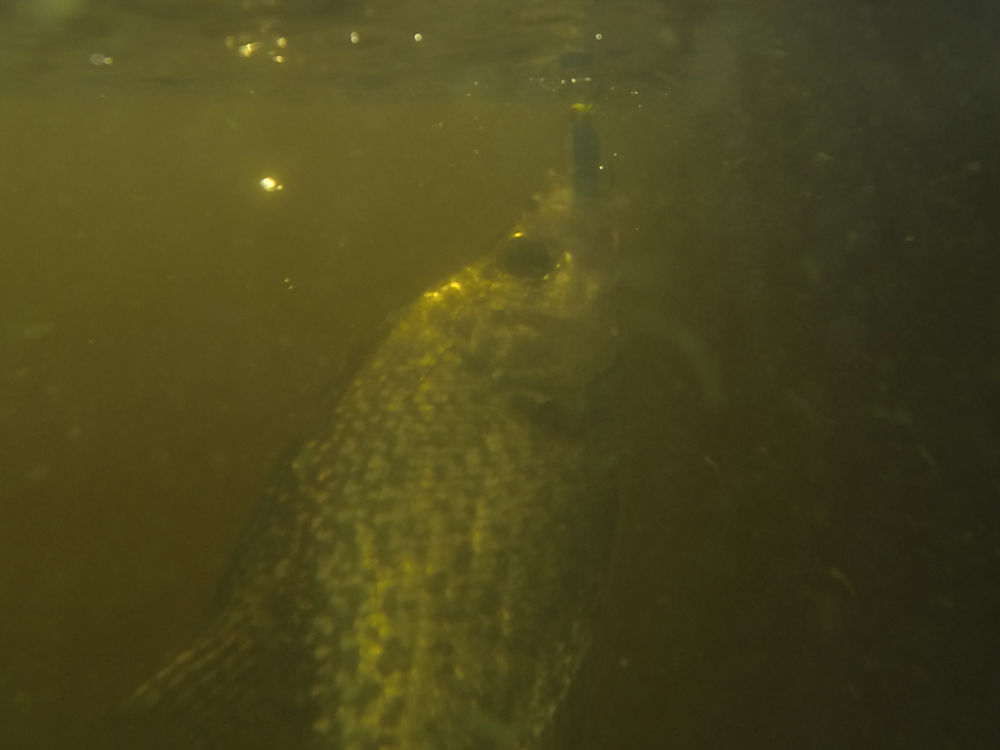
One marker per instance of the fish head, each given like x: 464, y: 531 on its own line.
x: 543, y: 325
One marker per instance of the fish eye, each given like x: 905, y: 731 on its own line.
x: 524, y: 257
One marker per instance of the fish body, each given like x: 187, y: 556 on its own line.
x: 425, y: 572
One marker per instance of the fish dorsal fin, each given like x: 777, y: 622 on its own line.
x: 245, y: 682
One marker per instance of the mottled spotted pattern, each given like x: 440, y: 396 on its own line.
x: 426, y: 571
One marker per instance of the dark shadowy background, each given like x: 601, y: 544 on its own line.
x: 807, y: 199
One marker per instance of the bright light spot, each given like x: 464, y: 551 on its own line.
x: 270, y: 184
x: 355, y: 37
x: 598, y: 37
x: 245, y: 50
x: 99, y: 59
x: 418, y: 37
x: 281, y: 42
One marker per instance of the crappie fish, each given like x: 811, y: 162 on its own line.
x: 425, y: 572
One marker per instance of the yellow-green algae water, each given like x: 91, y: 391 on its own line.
x: 808, y: 558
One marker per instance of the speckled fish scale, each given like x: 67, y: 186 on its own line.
x: 424, y: 573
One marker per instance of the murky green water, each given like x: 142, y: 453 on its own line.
x: 810, y: 544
